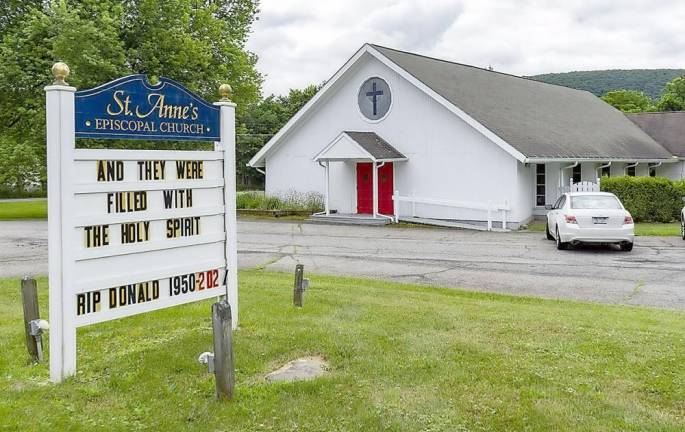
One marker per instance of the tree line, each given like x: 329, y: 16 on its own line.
x: 599, y: 82
x: 672, y: 98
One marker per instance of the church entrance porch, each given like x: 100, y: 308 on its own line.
x: 370, y: 160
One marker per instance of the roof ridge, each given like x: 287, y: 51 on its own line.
x: 476, y: 67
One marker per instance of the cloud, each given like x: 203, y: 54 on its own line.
x: 300, y: 42
x: 285, y: 18
x: 415, y: 25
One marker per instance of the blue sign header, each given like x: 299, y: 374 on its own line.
x: 132, y: 108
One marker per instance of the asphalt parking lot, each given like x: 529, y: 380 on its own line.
x: 513, y: 263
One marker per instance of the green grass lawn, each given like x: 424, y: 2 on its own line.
x: 657, y: 229
x: 33, y: 209
x: 402, y: 358
x: 641, y: 228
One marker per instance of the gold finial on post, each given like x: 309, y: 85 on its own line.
x: 60, y: 71
x: 225, y: 91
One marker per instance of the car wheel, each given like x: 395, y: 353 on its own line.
x: 549, y: 236
x: 627, y: 247
x: 682, y: 229
x: 560, y: 244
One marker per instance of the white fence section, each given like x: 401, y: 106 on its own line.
x: 583, y: 186
x: 468, y: 205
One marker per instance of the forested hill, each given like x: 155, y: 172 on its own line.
x: 649, y: 81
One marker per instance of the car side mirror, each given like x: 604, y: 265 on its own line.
x: 548, y: 207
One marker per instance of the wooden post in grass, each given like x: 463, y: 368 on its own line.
x: 298, y: 292
x: 29, y: 298
x: 224, y: 371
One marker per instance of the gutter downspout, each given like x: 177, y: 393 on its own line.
x: 392, y: 218
x: 598, y: 172
x: 599, y: 169
x: 625, y: 167
x: 261, y: 171
x: 561, y: 174
x: 656, y: 165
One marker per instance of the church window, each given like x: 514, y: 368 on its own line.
x: 540, y: 185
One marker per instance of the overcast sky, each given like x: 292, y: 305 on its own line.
x: 300, y: 42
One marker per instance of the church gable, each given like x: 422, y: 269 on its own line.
x: 374, y: 98
x: 367, y: 80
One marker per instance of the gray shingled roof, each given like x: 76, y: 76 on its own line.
x: 538, y: 119
x: 377, y: 147
x: 667, y: 128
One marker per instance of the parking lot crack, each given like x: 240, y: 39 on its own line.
x: 635, y: 291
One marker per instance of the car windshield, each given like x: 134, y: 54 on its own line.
x: 595, y: 202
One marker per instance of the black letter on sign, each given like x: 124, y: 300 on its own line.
x: 168, y: 195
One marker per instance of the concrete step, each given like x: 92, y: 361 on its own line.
x: 335, y: 219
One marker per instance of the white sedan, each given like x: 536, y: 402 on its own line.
x: 590, y: 217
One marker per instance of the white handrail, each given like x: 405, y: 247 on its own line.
x: 470, y: 205
x: 450, y: 203
x: 582, y: 186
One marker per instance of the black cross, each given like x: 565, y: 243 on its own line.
x: 374, y: 95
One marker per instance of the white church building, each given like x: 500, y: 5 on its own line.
x: 396, y: 135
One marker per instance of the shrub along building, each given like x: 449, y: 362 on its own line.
x: 454, y: 142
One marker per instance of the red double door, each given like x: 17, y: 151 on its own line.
x: 365, y: 188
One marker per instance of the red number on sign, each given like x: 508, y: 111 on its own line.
x: 200, y: 281
x: 216, y: 278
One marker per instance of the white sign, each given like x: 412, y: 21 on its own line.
x: 132, y: 231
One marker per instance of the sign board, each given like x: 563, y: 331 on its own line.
x: 132, y: 231
x: 132, y: 108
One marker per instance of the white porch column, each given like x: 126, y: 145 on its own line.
x: 328, y: 188
x: 375, y: 188
x: 61, y: 141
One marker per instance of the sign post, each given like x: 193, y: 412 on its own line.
x: 227, y: 145
x: 60, y: 148
x: 132, y: 231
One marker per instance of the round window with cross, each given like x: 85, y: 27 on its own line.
x: 374, y: 98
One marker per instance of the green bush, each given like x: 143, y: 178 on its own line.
x: 291, y: 200
x: 648, y: 199
x: 680, y: 187
x: 14, y: 193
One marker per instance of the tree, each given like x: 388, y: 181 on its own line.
x: 262, y: 120
x: 12, y: 11
x: 189, y: 41
x: 198, y: 42
x: 88, y: 43
x: 270, y: 114
x: 630, y: 101
x: 21, y: 168
x: 673, y: 96
x: 238, y: 16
